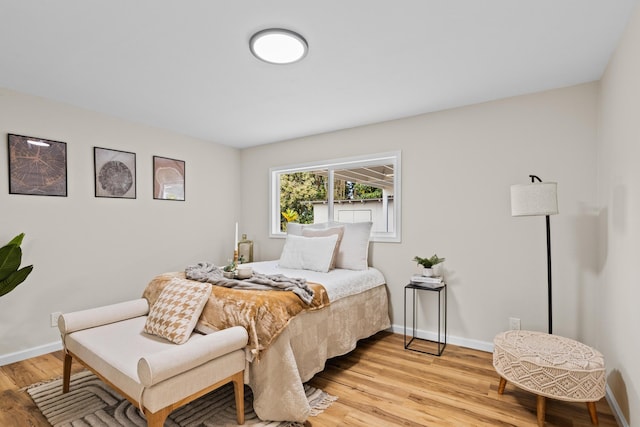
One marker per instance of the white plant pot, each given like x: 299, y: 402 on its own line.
x: 437, y: 269
x: 427, y: 272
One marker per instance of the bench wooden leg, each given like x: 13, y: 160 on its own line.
x: 238, y: 390
x: 593, y: 413
x: 541, y: 404
x: 66, y: 372
x: 157, y: 419
x: 503, y: 384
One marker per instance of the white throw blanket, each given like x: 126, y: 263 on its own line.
x: 207, y: 272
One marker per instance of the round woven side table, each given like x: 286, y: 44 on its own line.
x: 550, y: 366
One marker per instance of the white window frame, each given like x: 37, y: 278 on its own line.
x: 393, y: 157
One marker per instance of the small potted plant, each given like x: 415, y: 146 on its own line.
x: 229, y: 270
x: 428, y: 264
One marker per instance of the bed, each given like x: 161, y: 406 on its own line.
x: 353, y: 305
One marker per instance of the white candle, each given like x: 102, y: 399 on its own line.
x: 235, y: 247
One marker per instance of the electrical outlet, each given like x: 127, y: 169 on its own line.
x: 54, y: 318
x: 514, y: 323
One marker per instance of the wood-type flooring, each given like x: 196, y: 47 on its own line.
x: 378, y: 384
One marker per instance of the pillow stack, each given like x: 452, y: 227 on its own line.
x: 305, y: 243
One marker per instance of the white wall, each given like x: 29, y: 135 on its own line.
x: 457, y: 167
x: 619, y: 221
x: 91, y: 251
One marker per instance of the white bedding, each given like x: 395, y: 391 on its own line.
x: 358, y: 309
x: 339, y: 283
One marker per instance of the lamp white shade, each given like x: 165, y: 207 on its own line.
x: 538, y: 198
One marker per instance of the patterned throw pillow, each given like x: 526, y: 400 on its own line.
x: 177, y: 309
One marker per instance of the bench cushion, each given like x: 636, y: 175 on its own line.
x: 114, y: 351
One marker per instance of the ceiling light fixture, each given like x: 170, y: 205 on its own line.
x: 278, y: 46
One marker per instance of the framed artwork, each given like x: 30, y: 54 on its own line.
x: 115, y: 173
x: 37, y: 166
x: 168, y: 179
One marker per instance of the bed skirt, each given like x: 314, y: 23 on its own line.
x: 303, y: 347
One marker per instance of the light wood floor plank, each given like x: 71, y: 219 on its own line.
x: 378, y: 384
x: 459, y: 388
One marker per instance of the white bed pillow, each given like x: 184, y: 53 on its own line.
x: 353, y: 251
x: 308, y: 253
x: 338, y: 231
x: 354, y: 248
x: 295, y: 228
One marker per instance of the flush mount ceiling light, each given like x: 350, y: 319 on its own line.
x: 278, y: 46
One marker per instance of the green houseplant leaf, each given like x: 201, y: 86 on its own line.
x: 10, y: 259
x: 14, y: 280
x: 17, y: 240
x: 428, y: 262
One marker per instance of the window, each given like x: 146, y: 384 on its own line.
x: 346, y: 190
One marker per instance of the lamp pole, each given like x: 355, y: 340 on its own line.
x: 549, y: 288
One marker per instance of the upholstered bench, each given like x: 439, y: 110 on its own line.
x: 550, y: 366
x: 153, y: 373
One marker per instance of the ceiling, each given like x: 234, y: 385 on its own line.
x: 186, y: 65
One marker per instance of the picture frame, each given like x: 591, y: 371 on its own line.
x: 37, y: 166
x: 114, y: 173
x: 168, y: 179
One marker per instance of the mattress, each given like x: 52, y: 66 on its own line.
x: 339, y: 283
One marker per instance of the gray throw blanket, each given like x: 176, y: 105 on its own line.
x: 207, y: 272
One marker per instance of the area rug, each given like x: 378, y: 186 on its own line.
x: 90, y: 402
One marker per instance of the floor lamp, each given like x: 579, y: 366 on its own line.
x: 537, y: 198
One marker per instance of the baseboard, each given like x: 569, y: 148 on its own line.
x: 617, y: 412
x: 462, y: 342
x: 6, y: 359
